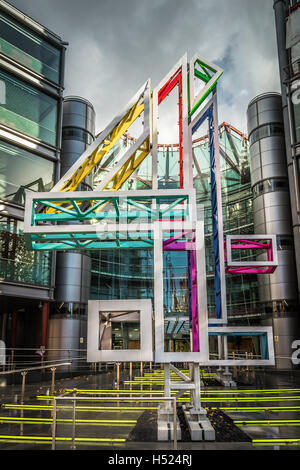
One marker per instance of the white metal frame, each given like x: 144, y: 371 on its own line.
x: 266, y: 263
x: 145, y: 92
x: 182, y: 63
x: 247, y: 330
x: 218, y: 72
x: 139, y: 141
x: 90, y: 228
x: 160, y: 355
x: 145, y: 353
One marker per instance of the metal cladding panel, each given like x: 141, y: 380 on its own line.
x: 258, y: 203
x: 283, y: 290
x: 12, y: 289
x: 73, y: 146
x: 260, y: 221
x: 283, y: 273
x: 64, y: 277
x: 69, y: 157
x: 90, y: 120
x: 278, y: 227
x: 269, y: 117
x: 64, y: 334
x: 271, y: 292
x: 256, y: 176
x: 254, y: 150
x: 77, y: 120
x: 264, y: 291
x: 273, y: 143
x: 273, y: 155
x: 264, y: 228
x: 252, y: 119
x: 72, y: 277
x: 282, y: 283
x: 255, y: 163
x: 274, y: 214
x: 64, y: 327
x: 276, y: 198
x: 277, y: 213
x: 71, y: 260
x: 269, y: 103
x: 268, y: 170
x: 284, y: 328
x: 78, y: 112
x: 273, y: 170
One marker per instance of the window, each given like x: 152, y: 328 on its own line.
x: 22, y: 170
x: 28, y: 110
x: 270, y: 185
x: 28, y: 49
x: 16, y: 263
x: 77, y: 134
x: 284, y: 243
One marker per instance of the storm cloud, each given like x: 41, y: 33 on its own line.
x: 116, y: 45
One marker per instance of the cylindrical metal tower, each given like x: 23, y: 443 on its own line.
x: 73, y: 269
x: 272, y: 215
x: 289, y: 81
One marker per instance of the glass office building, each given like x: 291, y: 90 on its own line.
x: 31, y: 86
x: 124, y: 274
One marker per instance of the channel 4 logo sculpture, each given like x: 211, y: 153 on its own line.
x: 163, y: 220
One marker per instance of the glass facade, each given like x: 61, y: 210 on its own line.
x: 16, y: 262
x: 77, y: 134
x: 125, y: 335
x: 28, y: 110
x: 25, y: 47
x: 122, y: 274
x: 269, y: 185
x: 21, y: 170
x: 295, y: 98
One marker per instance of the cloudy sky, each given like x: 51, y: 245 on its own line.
x: 116, y: 45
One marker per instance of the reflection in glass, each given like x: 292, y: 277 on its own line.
x: 16, y: 262
x: 27, y: 48
x: 28, y: 110
x: 21, y: 170
x: 119, y: 330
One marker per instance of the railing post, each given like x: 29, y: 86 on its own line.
x: 175, y: 424
x: 12, y: 359
x: 53, y: 424
x: 23, y: 382
x: 53, y: 369
x: 69, y: 360
x: 141, y: 369
x: 118, y: 373
x: 130, y: 370
x: 73, y: 446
